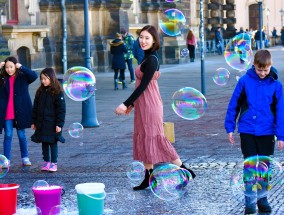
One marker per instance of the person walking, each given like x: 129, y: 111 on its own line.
x: 219, y: 41
x: 274, y: 36
x: 257, y: 102
x: 149, y: 142
x: 117, y: 49
x: 48, y: 117
x: 15, y: 105
x: 282, y: 36
x: 191, y: 44
x: 128, y: 40
x: 138, y: 53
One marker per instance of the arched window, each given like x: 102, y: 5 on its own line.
x: 12, y: 12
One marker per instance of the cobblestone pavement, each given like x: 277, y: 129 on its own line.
x: 104, y: 153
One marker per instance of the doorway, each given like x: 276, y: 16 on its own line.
x: 24, y: 56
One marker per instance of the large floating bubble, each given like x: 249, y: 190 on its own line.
x: 169, y: 182
x: 79, y: 83
x: 255, y: 177
x: 172, y: 21
x: 238, y: 53
x: 221, y: 76
x: 75, y: 130
x: 4, y: 166
x: 189, y: 103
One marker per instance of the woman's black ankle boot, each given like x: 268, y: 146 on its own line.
x: 145, y: 182
x: 189, y: 170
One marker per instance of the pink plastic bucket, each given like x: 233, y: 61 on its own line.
x: 8, y: 198
x: 47, y: 197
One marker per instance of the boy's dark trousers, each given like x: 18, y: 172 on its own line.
x: 53, y: 151
x: 252, y: 145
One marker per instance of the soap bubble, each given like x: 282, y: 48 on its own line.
x: 184, y: 52
x: 58, y: 210
x: 40, y: 183
x: 189, y: 103
x: 75, y: 130
x: 238, y: 53
x: 4, y: 166
x: 79, y: 83
x: 221, y: 76
x: 169, y: 182
x: 172, y: 21
x: 136, y: 171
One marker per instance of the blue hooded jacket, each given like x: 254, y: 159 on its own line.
x: 258, y: 104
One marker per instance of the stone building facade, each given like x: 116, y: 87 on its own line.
x: 33, y: 30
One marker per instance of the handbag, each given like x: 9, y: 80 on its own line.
x: 169, y: 131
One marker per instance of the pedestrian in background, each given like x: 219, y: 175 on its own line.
x: 48, y: 117
x: 219, y: 41
x: 191, y: 44
x: 149, y: 142
x: 274, y: 36
x: 138, y: 53
x: 118, y: 49
x: 282, y: 36
x: 15, y: 105
x: 257, y: 103
x: 128, y: 40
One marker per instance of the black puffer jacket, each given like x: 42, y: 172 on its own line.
x: 22, y: 99
x: 48, y: 112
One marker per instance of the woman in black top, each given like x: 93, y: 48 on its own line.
x: 149, y: 142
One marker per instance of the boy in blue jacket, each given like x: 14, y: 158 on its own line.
x: 257, y: 102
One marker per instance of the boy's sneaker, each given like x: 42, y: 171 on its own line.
x: 45, y: 166
x: 132, y: 82
x: 263, y: 205
x: 26, y: 161
x: 250, y: 209
x: 53, y: 167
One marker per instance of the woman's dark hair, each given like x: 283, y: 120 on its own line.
x: 55, y: 86
x: 153, y: 31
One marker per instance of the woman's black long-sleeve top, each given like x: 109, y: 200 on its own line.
x: 149, y: 66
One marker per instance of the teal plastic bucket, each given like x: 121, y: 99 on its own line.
x: 90, y: 198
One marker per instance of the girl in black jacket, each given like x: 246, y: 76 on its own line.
x: 48, y: 117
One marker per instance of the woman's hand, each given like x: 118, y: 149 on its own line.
x: 57, y: 129
x: 121, y: 109
x: 128, y: 110
x: 2, y: 64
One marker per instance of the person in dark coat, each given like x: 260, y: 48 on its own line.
x: 282, y: 36
x: 117, y: 49
x: 15, y: 105
x: 48, y: 118
x: 138, y: 52
x: 219, y: 41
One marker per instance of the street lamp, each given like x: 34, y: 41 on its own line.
x: 282, y: 13
x: 267, y: 13
x: 260, y: 20
x: 89, y: 115
x: 201, y: 35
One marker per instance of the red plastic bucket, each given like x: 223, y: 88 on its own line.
x: 8, y: 198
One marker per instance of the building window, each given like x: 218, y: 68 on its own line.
x: 12, y: 12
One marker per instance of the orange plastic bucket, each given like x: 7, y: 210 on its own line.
x: 8, y: 198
